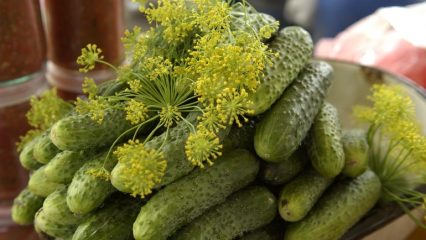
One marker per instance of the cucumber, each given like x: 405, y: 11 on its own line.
x: 44, y: 150
x: 113, y: 221
x: 338, y: 210
x: 64, y: 165
x: 286, y: 124
x: 86, y: 191
x: 294, y: 47
x: 182, y: 201
x: 324, y: 143
x: 355, y: 147
x: 299, y: 196
x: 280, y: 173
x: 272, y: 231
x: 55, y: 207
x: 39, y: 185
x: 239, y: 137
x: 79, y: 132
x: 26, y: 157
x: 243, y: 211
x: 44, y: 225
x: 25, y: 206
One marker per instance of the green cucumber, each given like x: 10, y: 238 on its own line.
x: 64, y: 165
x: 182, y: 201
x: 324, y: 142
x: 239, y: 137
x: 86, y: 191
x: 25, y: 206
x: 55, y: 228
x: 44, y: 150
x: 338, y: 210
x: 243, y: 211
x: 294, y: 48
x: 286, y: 124
x: 356, y: 152
x: 55, y: 207
x: 299, y: 195
x: 280, y: 173
x: 26, y: 157
x: 113, y: 221
x: 39, y: 185
x: 79, y: 132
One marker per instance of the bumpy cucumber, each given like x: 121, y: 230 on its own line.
x: 299, y: 195
x: 338, y: 210
x: 64, y: 165
x: 243, y: 211
x: 286, y: 124
x: 112, y: 222
x: 52, y: 227
x: 187, y: 198
x: 55, y: 207
x: 26, y: 157
x: 86, y: 191
x: 356, y: 152
x: 44, y: 150
x: 25, y: 206
x: 39, y: 185
x: 280, y: 173
x: 324, y: 142
x: 79, y: 132
x: 294, y: 47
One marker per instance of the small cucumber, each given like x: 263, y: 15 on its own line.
x: 243, y: 211
x: 182, y: 201
x: 299, y: 195
x: 64, y: 165
x: 294, y: 48
x: 44, y: 150
x: 286, y: 124
x: 112, y: 222
x: 55, y: 207
x: 280, y: 173
x: 338, y: 210
x: 356, y: 152
x: 86, y: 191
x: 324, y: 142
x: 26, y: 157
x: 25, y: 206
x: 44, y: 225
x: 39, y: 185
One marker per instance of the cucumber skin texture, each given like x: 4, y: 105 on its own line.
x: 299, y: 195
x: 44, y: 225
x: 25, y: 206
x: 286, y: 124
x: 280, y: 173
x: 325, y: 147
x: 39, y: 185
x: 87, y: 192
x: 55, y: 207
x: 339, y: 209
x: 64, y: 165
x: 26, y: 157
x: 182, y: 201
x: 44, y: 150
x: 112, y: 222
x: 294, y: 46
x: 355, y: 147
x: 79, y: 132
x: 243, y: 211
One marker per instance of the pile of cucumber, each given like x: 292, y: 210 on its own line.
x: 290, y: 173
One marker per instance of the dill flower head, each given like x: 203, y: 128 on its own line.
x: 95, y: 108
x: 100, y: 173
x: 211, y: 119
x: 144, y: 168
x: 169, y: 115
x: 136, y: 112
x: 89, y: 56
x: 202, y: 146
x: 89, y: 87
x: 232, y: 105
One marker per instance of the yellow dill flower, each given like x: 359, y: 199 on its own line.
x: 89, y: 56
x: 203, y: 146
x: 95, y: 108
x: 136, y: 112
x: 210, y: 119
x: 232, y: 105
x: 130, y: 38
x: 212, y: 14
x: 101, y: 173
x: 89, y: 87
x: 144, y: 168
x: 156, y: 66
x: 169, y: 115
x: 135, y: 85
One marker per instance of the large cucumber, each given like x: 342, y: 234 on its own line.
x: 26, y: 157
x: 79, y: 132
x: 338, y: 210
x: 299, y: 196
x: 112, y: 222
x: 294, y: 48
x: 286, y: 124
x: 39, y: 185
x: 64, y: 165
x: 53, y: 227
x: 55, y: 207
x: 187, y: 198
x: 86, y: 191
x: 356, y: 152
x: 282, y: 172
x: 246, y: 210
x: 44, y: 150
x: 25, y: 206
x: 324, y: 142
